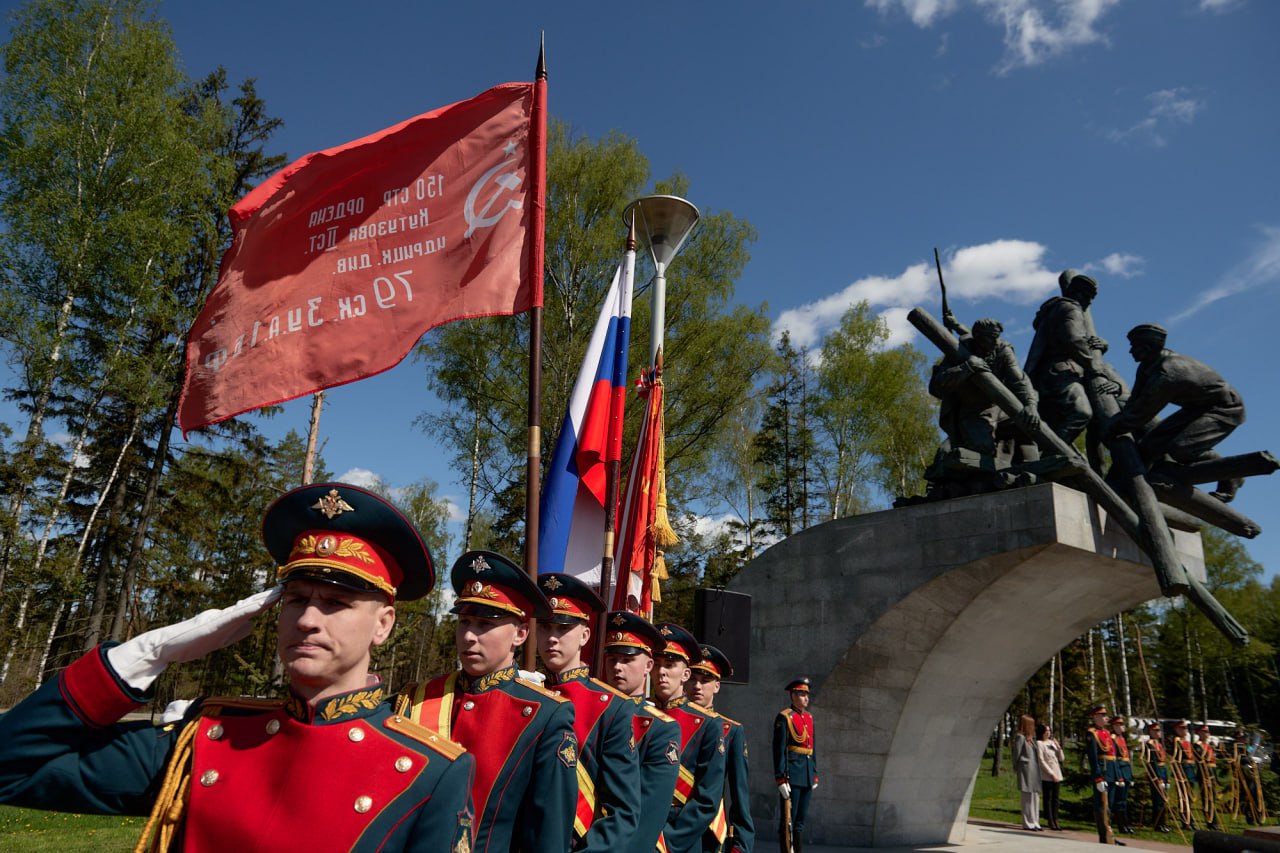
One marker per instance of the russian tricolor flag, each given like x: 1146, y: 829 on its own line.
x: 571, y: 528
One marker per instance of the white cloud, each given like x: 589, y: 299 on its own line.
x: 1261, y: 267
x: 1034, y: 30
x: 362, y: 477
x: 1168, y: 107
x: 1219, y: 6
x: 1011, y: 270
x: 1118, y: 264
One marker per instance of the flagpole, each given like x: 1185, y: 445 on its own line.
x: 613, y: 478
x: 533, y: 473
x: 313, y: 434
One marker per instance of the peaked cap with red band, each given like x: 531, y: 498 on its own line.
x: 626, y: 633
x: 678, y: 642
x: 570, y: 599
x: 491, y: 586
x: 800, y: 685
x: 342, y: 534
x: 714, y: 663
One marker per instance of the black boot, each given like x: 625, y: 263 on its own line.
x: 797, y: 840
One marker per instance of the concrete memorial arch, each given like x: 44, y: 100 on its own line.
x: 917, y: 627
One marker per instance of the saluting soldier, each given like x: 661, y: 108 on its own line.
x: 1207, y: 766
x: 1123, y: 778
x: 1100, y: 750
x: 239, y: 774
x: 704, y: 684
x: 629, y: 647
x: 526, y: 784
x: 1153, y: 757
x: 700, y: 786
x: 795, y: 762
x: 608, y: 809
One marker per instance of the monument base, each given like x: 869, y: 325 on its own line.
x: 917, y: 626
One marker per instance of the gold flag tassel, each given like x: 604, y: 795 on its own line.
x: 166, y: 815
x: 664, y: 537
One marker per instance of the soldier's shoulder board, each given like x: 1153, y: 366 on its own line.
x: 615, y: 691
x: 427, y: 737
x: 729, y: 721
x: 540, y: 690
x: 659, y: 714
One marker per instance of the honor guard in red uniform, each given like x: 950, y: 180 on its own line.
x: 1153, y: 758
x: 1207, y: 767
x: 608, y: 765
x: 521, y: 735
x: 630, y: 642
x: 1123, y: 778
x: 1183, y: 758
x: 1100, y: 750
x: 329, y: 767
x: 795, y: 763
x: 702, y: 688
x: 700, y: 787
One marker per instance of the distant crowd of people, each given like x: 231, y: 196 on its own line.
x: 1184, y: 777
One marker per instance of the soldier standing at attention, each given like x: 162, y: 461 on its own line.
x: 1157, y: 776
x: 329, y: 767
x: 1207, y: 765
x: 700, y: 786
x: 1184, y: 756
x: 608, y: 809
x: 1100, y: 749
x: 1123, y: 777
x: 704, y: 684
x: 526, y: 785
x: 795, y: 761
x: 629, y: 645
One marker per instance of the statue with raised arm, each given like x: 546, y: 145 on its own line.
x: 1209, y: 408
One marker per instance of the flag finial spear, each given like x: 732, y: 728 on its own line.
x: 631, y: 236
x: 541, y: 72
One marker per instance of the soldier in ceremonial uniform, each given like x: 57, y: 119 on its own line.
x: 526, y: 784
x: 700, y: 786
x: 1207, y: 767
x: 702, y: 688
x: 1246, y: 780
x: 1123, y: 777
x: 1100, y: 751
x: 1153, y: 757
x: 630, y: 642
x: 795, y: 761
x: 608, y: 810
x: 241, y: 774
x: 1184, y: 759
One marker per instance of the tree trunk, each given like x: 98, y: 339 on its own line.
x: 995, y: 761
x: 1124, y: 666
x: 49, y: 638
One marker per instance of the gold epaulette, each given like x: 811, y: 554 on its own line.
x: 661, y: 715
x: 727, y: 720
x: 615, y: 691
x: 707, y: 711
x: 423, y: 735
x: 538, y: 687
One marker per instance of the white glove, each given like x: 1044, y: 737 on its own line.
x: 1100, y: 787
x: 140, y: 661
x: 784, y: 788
x: 536, y: 677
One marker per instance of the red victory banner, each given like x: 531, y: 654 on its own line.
x: 341, y: 261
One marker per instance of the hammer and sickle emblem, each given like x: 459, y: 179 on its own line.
x: 508, y: 182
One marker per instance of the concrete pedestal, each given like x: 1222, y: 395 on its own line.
x: 917, y: 627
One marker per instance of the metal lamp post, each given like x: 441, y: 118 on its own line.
x: 663, y: 223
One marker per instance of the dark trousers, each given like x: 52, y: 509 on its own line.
x: 799, y: 808
x: 1051, y: 790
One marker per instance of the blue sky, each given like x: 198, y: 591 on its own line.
x: 1135, y: 139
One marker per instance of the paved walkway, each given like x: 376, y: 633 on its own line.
x: 990, y: 837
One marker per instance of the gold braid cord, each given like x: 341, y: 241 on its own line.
x: 1183, y: 789
x: 1208, y: 791
x: 166, y: 814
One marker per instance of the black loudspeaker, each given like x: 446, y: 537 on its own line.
x: 723, y: 619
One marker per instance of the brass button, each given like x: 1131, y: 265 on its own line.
x: 273, y: 726
x: 468, y: 705
x: 404, y: 763
x: 356, y: 734
x: 215, y: 731
x: 208, y: 777
x: 528, y: 709
x: 363, y: 804
x: 604, y: 697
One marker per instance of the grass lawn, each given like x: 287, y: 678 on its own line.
x: 28, y: 830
